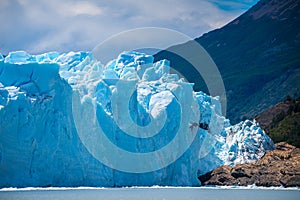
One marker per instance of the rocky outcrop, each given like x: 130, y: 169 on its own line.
x: 272, y: 115
x: 282, y: 121
x: 280, y: 167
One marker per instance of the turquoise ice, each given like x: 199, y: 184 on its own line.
x: 69, y: 120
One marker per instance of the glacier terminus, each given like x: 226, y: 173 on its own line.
x: 68, y: 120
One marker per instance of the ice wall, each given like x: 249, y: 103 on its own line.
x: 52, y: 107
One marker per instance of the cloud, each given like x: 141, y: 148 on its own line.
x: 40, y: 26
x: 80, y: 8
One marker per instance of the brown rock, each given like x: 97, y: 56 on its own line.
x: 217, y: 177
x: 280, y: 167
x: 283, y: 146
x: 240, y: 171
x: 290, y: 181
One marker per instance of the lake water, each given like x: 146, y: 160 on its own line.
x: 152, y: 193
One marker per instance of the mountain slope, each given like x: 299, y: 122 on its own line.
x: 282, y: 121
x: 258, y: 55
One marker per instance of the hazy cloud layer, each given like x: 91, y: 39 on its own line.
x: 72, y: 25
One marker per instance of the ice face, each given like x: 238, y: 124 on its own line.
x: 154, y: 129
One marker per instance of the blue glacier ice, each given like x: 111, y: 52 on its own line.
x: 155, y: 130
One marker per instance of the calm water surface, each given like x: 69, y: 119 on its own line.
x: 151, y: 193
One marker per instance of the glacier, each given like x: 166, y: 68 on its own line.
x: 53, y: 107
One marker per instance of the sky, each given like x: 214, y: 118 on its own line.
x: 39, y: 26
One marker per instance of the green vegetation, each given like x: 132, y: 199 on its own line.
x: 286, y: 125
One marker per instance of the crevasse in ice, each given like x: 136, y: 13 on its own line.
x: 52, y: 107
